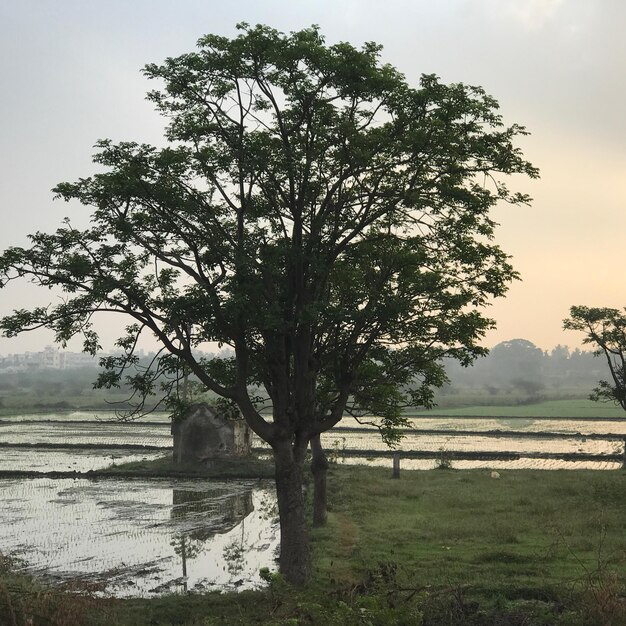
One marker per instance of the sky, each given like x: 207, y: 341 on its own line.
x: 70, y: 75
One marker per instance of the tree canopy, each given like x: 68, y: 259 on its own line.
x: 605, y: 329
x: 313, y: 211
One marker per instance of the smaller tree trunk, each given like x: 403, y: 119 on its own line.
x: 319, y: 469
x: 295, y: 558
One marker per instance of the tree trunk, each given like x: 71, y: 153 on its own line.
x: 295, y: 558
x: 319, y: 469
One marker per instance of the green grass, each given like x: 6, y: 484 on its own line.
x: 465, y: 405
x: 548, y: 408
x: 30, y: 402
x: 455, y: 525
x: 243, y: 467
x: 437, y: 548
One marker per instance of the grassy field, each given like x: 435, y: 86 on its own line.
x: 238, y: 468
x: 102, y: 400
x: 522, y: 530
x: 433, y: 548
x: 548, y: 408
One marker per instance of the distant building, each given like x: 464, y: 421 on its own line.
x: 48, y: 358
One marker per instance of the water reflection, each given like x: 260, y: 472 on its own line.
x: 141, y: 537
x: 224, y: 507
x: 193, y: 509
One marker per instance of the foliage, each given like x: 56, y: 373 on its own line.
x: 444, y: 460
x: 447, y: 527
x: 312, y: 211
x: 251, y: 466
x: 518, y: 372
x: 310, y: 201
x: 378, y: 600
x: 24, y: 602
x: 605, y: 329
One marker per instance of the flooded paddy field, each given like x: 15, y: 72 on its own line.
x: 492, y: 464
x: 68, y: 459
x: 141, y: 537
x: 525, y: 424
x: 149, y: 536
x: 82, y: 416
x: 85, y: 432
x: 522, y: 437
x: 474, y: 443
x: 75, y: 442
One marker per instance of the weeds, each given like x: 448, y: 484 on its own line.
x: 378, y: 600
x: 23, y: 602
x: 599, y: 592
x: 336, y: 450
x: 444, y: 460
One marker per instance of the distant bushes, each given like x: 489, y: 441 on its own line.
x: 518, y: 372
x: 60, y: 405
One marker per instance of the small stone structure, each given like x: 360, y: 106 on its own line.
x: 203, y: 434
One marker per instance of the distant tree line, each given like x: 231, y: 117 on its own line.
x: 515, y: 370
x: 50, y: 388
x: 519, y: 367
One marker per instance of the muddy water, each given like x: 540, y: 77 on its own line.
x: 141, y: 537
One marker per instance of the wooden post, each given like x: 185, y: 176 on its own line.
x: 396, y: 465
x: 624, y: 456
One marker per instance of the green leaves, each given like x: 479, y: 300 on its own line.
x: 313, y: 210
x: 605, y: 329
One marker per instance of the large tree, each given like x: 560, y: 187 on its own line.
x: 605, y: 330
x: 314, y: 212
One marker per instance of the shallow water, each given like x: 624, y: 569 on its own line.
x: 523, y: 424
x: 149, y: 536
x: 524, y: 463
x: 85, y: 432
x: 451, y: 441
x: 68, y: 459
x: 81, y: 416
x: 76, y: 429
x: 141, y: 537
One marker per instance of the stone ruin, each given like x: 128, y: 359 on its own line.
x: 202, y: 434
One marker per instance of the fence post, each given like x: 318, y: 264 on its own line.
x: 396, y: 465
x: 624, y: 456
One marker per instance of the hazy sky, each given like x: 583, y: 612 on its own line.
x: 70, y: 75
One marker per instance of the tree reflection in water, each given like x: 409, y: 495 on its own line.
x: 205, y: 514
